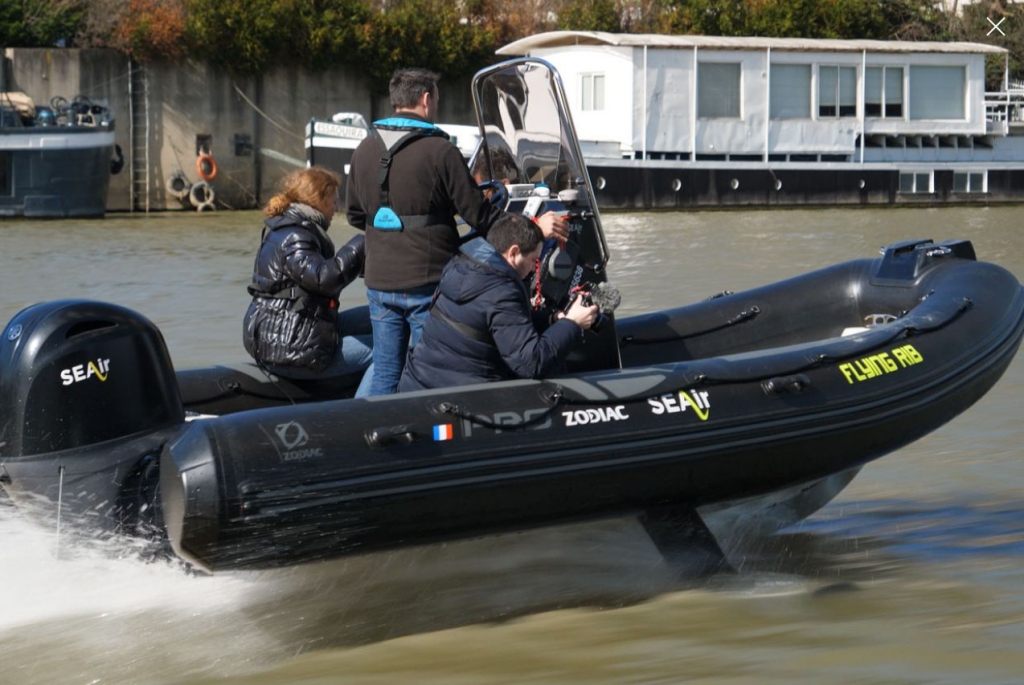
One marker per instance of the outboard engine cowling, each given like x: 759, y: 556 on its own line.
x: 87, y: 391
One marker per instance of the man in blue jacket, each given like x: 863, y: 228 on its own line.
x: 481, y: 327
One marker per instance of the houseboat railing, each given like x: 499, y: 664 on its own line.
x: 1004, y: 108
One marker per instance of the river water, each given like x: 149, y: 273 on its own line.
x: 914, y: 574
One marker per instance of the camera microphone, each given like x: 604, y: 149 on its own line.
x: 606, y: 296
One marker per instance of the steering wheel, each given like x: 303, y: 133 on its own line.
x: 498, y: 192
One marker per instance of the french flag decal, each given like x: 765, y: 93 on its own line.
x: 443, y: 431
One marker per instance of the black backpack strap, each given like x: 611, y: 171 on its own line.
x: 387, y: 154
x: 385, y: 218
x: 468, y: 331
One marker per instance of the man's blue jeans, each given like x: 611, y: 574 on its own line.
x: 397, y: 318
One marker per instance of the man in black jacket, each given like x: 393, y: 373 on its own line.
x: 481, y: 327
x: 407, y: 182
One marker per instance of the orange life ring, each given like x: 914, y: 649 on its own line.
x: 206, y: 166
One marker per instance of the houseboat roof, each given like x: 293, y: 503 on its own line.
x: 554, y: 39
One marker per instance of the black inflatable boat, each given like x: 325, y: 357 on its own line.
x: 765, y: 401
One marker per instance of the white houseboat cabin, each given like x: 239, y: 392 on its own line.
x: 682, y: 121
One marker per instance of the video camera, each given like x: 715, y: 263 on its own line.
x: 605, y: 295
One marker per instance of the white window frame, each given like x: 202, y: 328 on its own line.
x: 810, y: 97
x: 904, y: 95
x: 915, y: 189
x: 591, y: 103
x: 739, y: 92
x: 912, y: 84
x: 839, y: 79
x: 970, y: 186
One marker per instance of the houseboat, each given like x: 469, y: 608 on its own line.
x: 55, y: 158
x: 671, y: 122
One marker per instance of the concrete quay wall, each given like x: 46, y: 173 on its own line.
x: 254, y: 128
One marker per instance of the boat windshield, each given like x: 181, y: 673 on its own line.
x: 524, y: 122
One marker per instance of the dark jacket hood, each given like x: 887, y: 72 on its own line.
x: 476, y: 258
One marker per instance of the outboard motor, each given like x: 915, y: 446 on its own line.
x: 88, y: 396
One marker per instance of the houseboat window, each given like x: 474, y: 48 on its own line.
x: 718, y: 90
x: 883, y: 92
x: 791, y: 91
x: 970, y: 181
x: 915, y: 182
x: 937, y: 92
x: 592, y: 91
x: 837, y: 92
x: 5, y: 173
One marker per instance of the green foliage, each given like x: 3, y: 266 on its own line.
x: 423, y: 33
x: 707, y: 17
x: 590, y: 15
x: 247, y: 37
x: 39, y: 23
x: 975, y: 27
x: 329, y: 31
x: 243, y: 36
x: 864, y: 19
x: 817, y: 19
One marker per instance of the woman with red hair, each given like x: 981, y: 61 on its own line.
x: 293, y: 327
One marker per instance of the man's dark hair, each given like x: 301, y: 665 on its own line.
x: 408, y: 85
x: 514, y: 229
x: 502, y: 162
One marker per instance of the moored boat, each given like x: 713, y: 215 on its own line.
x: 55, y: 159
x: 767, y: 400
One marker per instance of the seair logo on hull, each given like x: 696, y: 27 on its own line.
x: 698, y: 401
x: 99, y: 369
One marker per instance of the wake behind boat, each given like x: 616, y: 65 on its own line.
x: 750, y: 407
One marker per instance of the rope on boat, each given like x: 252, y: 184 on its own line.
x: 557, y: 398
x: 234, y: 389
x: 745, y: 315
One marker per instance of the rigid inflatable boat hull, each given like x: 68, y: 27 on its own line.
x: 287, y: 484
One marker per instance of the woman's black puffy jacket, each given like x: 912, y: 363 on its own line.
x: 292, y: 320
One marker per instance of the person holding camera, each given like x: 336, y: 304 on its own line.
x: 293, y: 327
x: 481, y: 326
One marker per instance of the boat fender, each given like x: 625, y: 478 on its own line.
x: 782, y: 385
x: 393, y: 435
x: 206, y: 165
x: 201, y: 196
x: 117, y: 163
x: 178, y: 185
